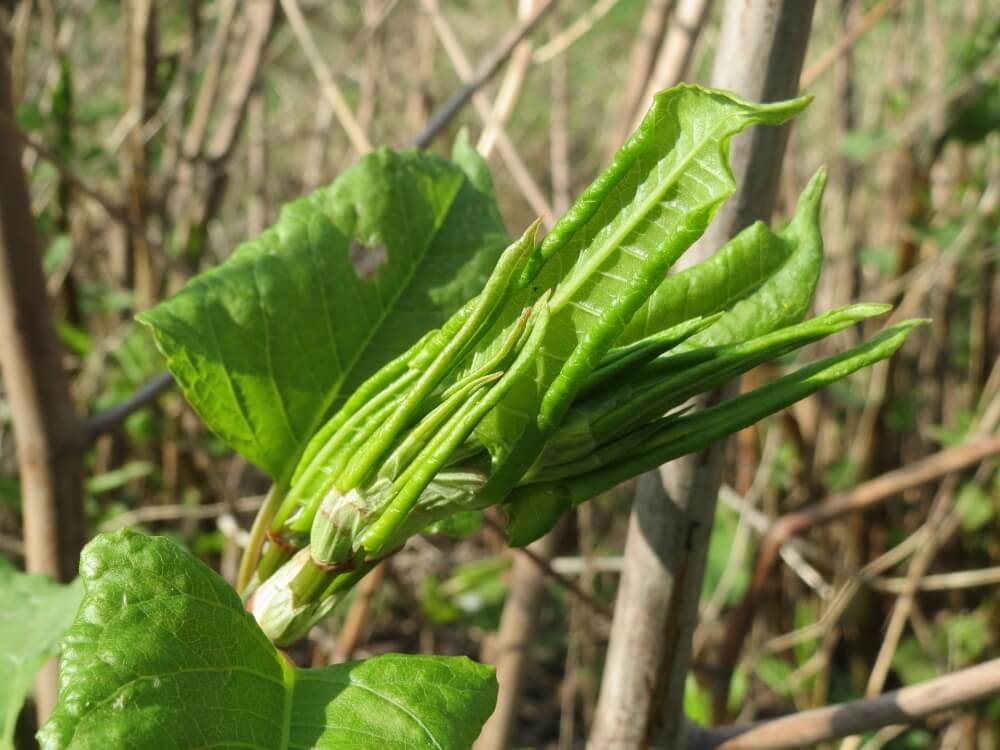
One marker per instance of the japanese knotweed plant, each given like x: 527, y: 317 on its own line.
x: 449, y: 375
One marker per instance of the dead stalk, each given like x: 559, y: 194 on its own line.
x: 675, y: 55
x: 508, y: 151
x: 328, y: 84
x: 47, y: 431
x: 645, y: 50
x: 862, y: 497
x: 512, y: 84
x: 901, y: 707
x: 517, y: 627
x: 761, y: 52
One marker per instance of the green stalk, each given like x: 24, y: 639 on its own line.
x: 368, y: 390
x: 413, y: 481
x: 498, y: 360
x: 354, y: 442
x: 429, y: 426
x: 258, y: 532
x: 328, y: 461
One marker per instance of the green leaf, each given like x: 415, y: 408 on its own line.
x: 163, y: 655
x: 975, y: 507
x: 679, y: 435
x: 37, y: 614
x: 776, y: 674
x: 268, y: 344
x: 697, y: 701
x: 476, y: 168
x: 662, y: 385
x: 764, y: 279
x: 532, y: 509
x: 118, y: 478
x: 785, y: 295
x: 605, y: 257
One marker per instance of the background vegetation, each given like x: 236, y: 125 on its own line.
x: 158, y: 135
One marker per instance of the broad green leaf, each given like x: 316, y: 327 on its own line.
x: 37, y: 613
x: 163, y: 655
x: 763, y: 279
x: 609, y: 252
x: 269, y: 343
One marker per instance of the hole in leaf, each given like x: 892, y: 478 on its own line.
x: 367, y: 260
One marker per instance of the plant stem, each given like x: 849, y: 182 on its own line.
x: 255, y: 544
x: 761, y: 49
x: 47, y: 431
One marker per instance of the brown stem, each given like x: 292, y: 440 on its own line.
x: 675, y: 55
x: 644, y: 53
x: 484, y: 72
x: 114, y: 210
x: 350, y: 634
x: 194, y: 218
x: 517, y: 628
x: 559, y: 139
x: 905, y: 706
x: 513, y: 82
x: 760, y: 54
x: 328, y: 84
x: 845, y: 43
x: 107, y: 420
x: 526, y: 183
x: 46, y: 428
x: 136, y: 264
x: 863, y: 496
x: 594, y: 605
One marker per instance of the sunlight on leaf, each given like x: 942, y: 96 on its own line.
x: 163, y: 655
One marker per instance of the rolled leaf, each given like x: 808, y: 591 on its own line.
x: 762, y: 278
x: 605, y: 257
x: 533, y: 509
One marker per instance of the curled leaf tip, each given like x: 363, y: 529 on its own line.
x: 532, y: 230
x: 808, y: 208
x: 775, y: 113
x: 875, y: 308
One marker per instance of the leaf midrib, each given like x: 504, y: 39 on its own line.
x: 597, y: 258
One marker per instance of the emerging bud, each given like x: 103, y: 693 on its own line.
x: 273, y: 603
x: 342, y: 519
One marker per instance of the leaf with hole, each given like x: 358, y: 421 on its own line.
x: 268, y: 344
